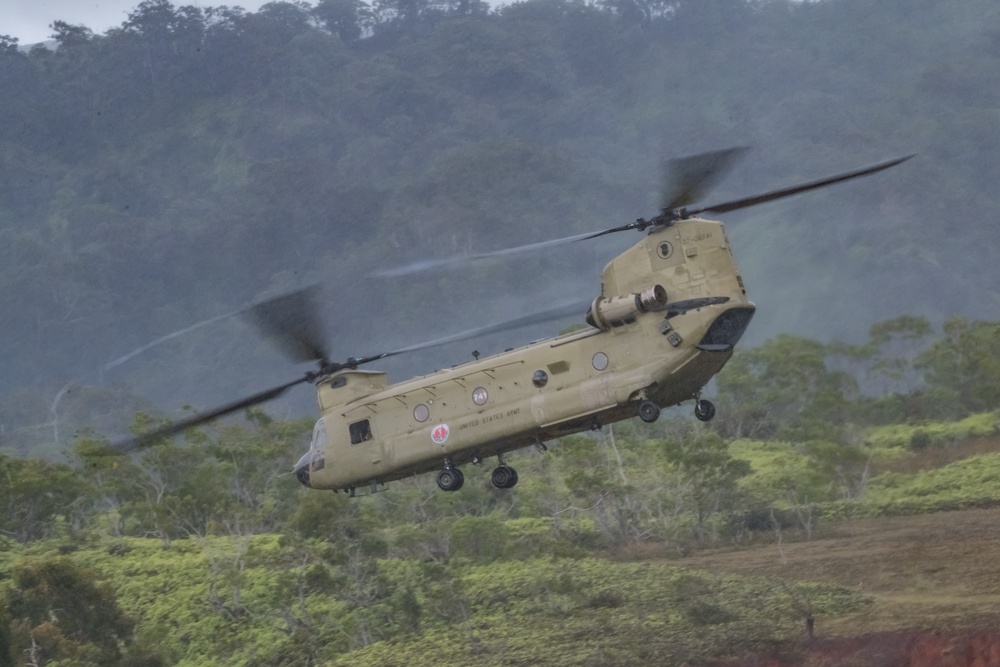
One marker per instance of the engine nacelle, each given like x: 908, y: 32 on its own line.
x: 606, y: 314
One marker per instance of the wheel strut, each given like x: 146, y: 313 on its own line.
x: 704, y: 410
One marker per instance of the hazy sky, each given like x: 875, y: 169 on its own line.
x: 29, y: 20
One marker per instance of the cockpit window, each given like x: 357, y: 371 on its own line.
x: 360, y: 431
x: 319, y: 436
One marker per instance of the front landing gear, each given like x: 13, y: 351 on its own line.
x: 704, y: 410
x: 450, y: 479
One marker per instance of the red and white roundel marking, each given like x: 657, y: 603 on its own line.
x: 440, y: 434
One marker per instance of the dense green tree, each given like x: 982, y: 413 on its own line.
x: 71, y: 37
x: 237, y: 484
x: 348, y: 19
x: 892, y: 387
x: 784, y: 388
x: 896, y: 343
x: 966, y: 361
x: 255, y: 463
x: 396, y: 15
x: 480, y: 538
x: 61, y: 612
x: 38, y: 498
x: 711, y: 475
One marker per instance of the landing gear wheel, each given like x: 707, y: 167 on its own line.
x: 649, y: 412
x: 450, y: 479
x: 504, y: 477
x: 704, y: 410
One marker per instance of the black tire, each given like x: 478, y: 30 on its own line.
x: 503, y: 477
x: 649, y: 412
x: 704, y: 410
x: 450, y: 479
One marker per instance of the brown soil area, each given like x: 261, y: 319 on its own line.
x: 934, y: 581
x: 890, y: 649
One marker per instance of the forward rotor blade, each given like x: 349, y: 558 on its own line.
x: 796, y: 189
x: 174, y: 428
x: 292, y: 322
x: 559, y: 312
x: 690, y: 178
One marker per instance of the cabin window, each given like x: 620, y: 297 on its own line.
x: 360, y: 431
x: 540, y: 378
x: 480, y: 395
x: 421, y: 413
x: 600, y: 361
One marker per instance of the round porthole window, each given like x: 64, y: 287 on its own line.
x: 600, y: 361
x: 421, y: 413
x: 479, y: 395
x: 540, y: 379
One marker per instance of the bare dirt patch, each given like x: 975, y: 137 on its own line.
x: 934, y: 582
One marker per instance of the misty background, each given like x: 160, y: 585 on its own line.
x: 30, y: 20
x: 196, y: 159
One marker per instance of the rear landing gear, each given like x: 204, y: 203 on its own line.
x: 504, y: 477
x: 704, y: 410
x: 649, y: 412
x: 450, y: 479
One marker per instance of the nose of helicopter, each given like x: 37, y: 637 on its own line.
x: 302, y: 469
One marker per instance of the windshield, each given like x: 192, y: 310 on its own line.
x: 314, y: 459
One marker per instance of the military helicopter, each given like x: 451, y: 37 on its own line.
x: 670, y: 310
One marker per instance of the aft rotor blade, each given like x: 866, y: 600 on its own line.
x: 690, y: 178
x: 796, y: 189
x: 559, y: 312
x: 455, y: 262
x: 174, y: 428
x: 292, y: 322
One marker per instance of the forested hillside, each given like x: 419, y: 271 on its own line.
x: 195, y: 159
x: 158, y: 178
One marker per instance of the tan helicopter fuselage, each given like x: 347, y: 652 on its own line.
x: 671, y: 309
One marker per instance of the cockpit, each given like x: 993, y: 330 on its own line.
x: 315, y: 458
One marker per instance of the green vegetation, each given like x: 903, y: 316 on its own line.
x: 970, y: 482
x: 195, y: 159
x: 934, y: 434
x: 267, y: 601
x: 206, y: 552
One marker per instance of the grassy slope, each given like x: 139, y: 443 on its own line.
x: 638, y: 604
x: 599, y: 612
x: 542, y: 611
x: 934, y: 571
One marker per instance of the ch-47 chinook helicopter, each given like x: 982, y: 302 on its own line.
x: 670, y: 310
